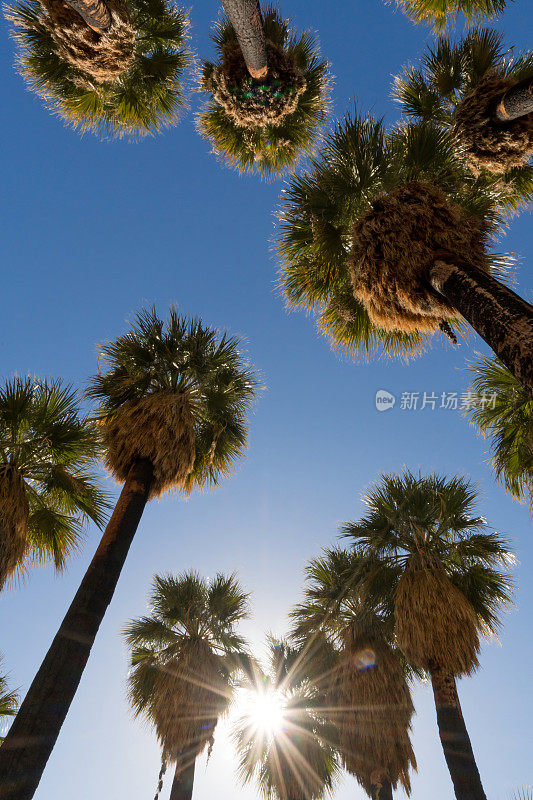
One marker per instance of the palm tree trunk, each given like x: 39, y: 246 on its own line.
x: 247, y: 22
x: 454, y: 737
x: 33, y: 734
x: 383, y: 791
x: 515, y: 102
x: 496, y: 313
x: 183, y: 782
x: 95, y: 13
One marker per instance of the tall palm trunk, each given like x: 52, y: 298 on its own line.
x: 454, y: 737
x: 383, y: 791
x: 247, y: 22
x: 183, y: 782
x: 94, y: 12
x: 496, y: 313
x: 34, y: 732
x: 516, y: 102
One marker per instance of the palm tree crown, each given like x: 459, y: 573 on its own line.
x: 294, y: 759
x: 176, y: 393
x: 507, y: 416
x: 438, y: 13
x: 264, y: 125
x: 183, y: 656
x: 350, y: 227
x: 47, y: 488
x: 61, y: 58
x: 432, y: 559
x: 455, y: 86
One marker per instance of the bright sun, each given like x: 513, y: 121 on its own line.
x: 265, y: 709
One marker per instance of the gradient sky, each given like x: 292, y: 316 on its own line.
x: 91, y: 231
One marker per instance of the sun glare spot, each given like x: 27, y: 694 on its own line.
x: 265, y: 709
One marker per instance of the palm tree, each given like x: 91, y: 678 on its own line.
x: 385, y: 237
x: 367, y: 694
x: 172, y: 411
x: 505, y: 412
x: 182, y: 659
x: 438, y: 13
x: 267, y: 91
x: 483, y: 97
x: 124, y: 80
x: 8, y: 700
x: 47, y: 490
x: 430, y: 557
x: 282, y: 739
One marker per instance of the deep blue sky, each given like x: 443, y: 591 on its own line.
x: 92, y: 230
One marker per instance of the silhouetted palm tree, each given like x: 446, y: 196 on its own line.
x: 48, y: 491
x: 268, y: 91
x: 172, y: 410
x: 429, y: 557
x: 182, y: 659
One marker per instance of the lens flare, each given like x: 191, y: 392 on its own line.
x: 365, y: 660
x: 265, y: 708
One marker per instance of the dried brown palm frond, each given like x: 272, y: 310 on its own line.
x: 374, y: 759
x: 14, y: 514
x: 486, y: 143
x: 101, y: 55
x: 159, y: 427
x: 394, y: 246
x: 245, y: 101
x: 434, y: 621
x: 189, y: 696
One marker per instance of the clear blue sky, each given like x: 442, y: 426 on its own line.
x: 92, y: 230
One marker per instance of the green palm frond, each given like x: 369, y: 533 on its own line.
x: 447, y: 72
x: 506, y: 415
x: 54, y: 448
x: 8, y: 701
x: 438, y: 13
x: 145, y: 99
x: 358, y: 161
x: 432, y: 519
x: 272, y: 148
x: 182, y: 355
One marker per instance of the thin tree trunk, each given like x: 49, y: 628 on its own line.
x: 515, y: 102
x: 94, y: 12
x: 34, y: 732
x: 183, y: 782
x: 383, y: 791
x: 502, y: 318
x: 454, y: 737
x: 247, y: 22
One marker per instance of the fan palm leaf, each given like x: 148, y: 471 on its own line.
x: 8, y: 700
x: 438, y: 13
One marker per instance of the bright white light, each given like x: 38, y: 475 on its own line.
x: 265, y: 708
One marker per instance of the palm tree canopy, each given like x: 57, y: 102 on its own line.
x: 144, y: 99
x: 451, y: 71
x: 264, y: 125
x: 202, y: 369
x: 52, y: 449
x: 411, y: 519
x: 8, y: 700
x: 359, y: 163
x: 438, y: 13
x: 506, y: 416
x: 296, y: 759
x: 183, y: 656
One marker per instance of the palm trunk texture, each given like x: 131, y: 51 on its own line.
x: 382, y: 792
x: 183, y: 782
x: 94, y: 12
x: 247, y: 22
x: 33, y: 734
x: 502, y: 318
x: 516, y: 102
x: 454, y: 738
